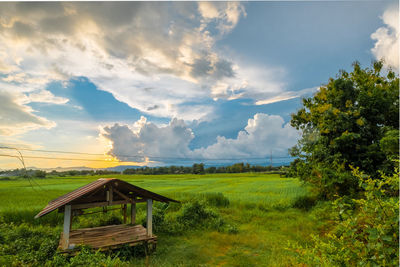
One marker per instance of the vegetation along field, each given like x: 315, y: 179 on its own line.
x: 244, y: 219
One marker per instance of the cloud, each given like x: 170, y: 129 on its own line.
x: 146, y: 139
x: 262, y: 135
x: 16, y: 118
x: 226, y: 14
x: 287, y: 95
x: 122, y: 47
x: 251, y: 81
x: 387, y: 38
x: 44, y: 96
x: 125, y: 48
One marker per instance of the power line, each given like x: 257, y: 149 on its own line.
x: 111, y: 161
x: 21, y: 159
x: 134, y: 156
x: 80, y: 159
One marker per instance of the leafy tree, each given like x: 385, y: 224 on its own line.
x: 211, y: 169
x: 198, y: 168
x: 40, y: 174
x: 352, y: 120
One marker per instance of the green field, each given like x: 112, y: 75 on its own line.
x: 259, y: 212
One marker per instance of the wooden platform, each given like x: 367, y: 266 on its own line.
x: 108, y: 237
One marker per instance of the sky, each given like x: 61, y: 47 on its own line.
x: 149, y: 84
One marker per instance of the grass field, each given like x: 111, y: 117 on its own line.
x: 260, y: 212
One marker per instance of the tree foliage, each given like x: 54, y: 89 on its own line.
x: 352, y: 120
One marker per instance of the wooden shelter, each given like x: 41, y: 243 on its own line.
x: 104, y: 193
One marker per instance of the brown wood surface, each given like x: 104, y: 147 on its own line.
x: 110, y: 236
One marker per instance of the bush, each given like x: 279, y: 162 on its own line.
x: 192, y: 215
x: 304, y: 202
x: 365, y: 231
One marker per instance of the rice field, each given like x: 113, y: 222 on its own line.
x: 260, y: 207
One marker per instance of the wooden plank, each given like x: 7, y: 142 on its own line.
x: 111, y: 236
x: 149, y: 217
x: 67, y: 226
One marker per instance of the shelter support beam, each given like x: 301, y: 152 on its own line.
x: 67, y: 226
x: 110, y: 195
x: 124, y: 207
x: 133, y: 213
x: 149, y: 217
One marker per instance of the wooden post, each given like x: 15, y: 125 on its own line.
x: 133, y: 213
x: 124, y: 210
x: 110, y: 195
x: 149, y: 217
x: 67, y: 226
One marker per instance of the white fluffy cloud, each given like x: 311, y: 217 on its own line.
x: 16, y: 118
x: 387, y: 38
x: 147, y: 139
x: 262, y: 135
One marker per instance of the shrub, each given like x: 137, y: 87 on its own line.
x: 365, y: 231
x: 192, y: 215
x: 195, y: 213
x: 304, y: 202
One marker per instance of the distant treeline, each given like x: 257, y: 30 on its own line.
x: 199, y: 168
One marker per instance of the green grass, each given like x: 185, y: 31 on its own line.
x: 259, y: 208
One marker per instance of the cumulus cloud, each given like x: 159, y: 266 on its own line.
x: 387, y: 38
x: 16, y: 118
x: 149, y: 141
x: 262, y: 135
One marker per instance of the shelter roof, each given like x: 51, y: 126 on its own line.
x: 96, y: 191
